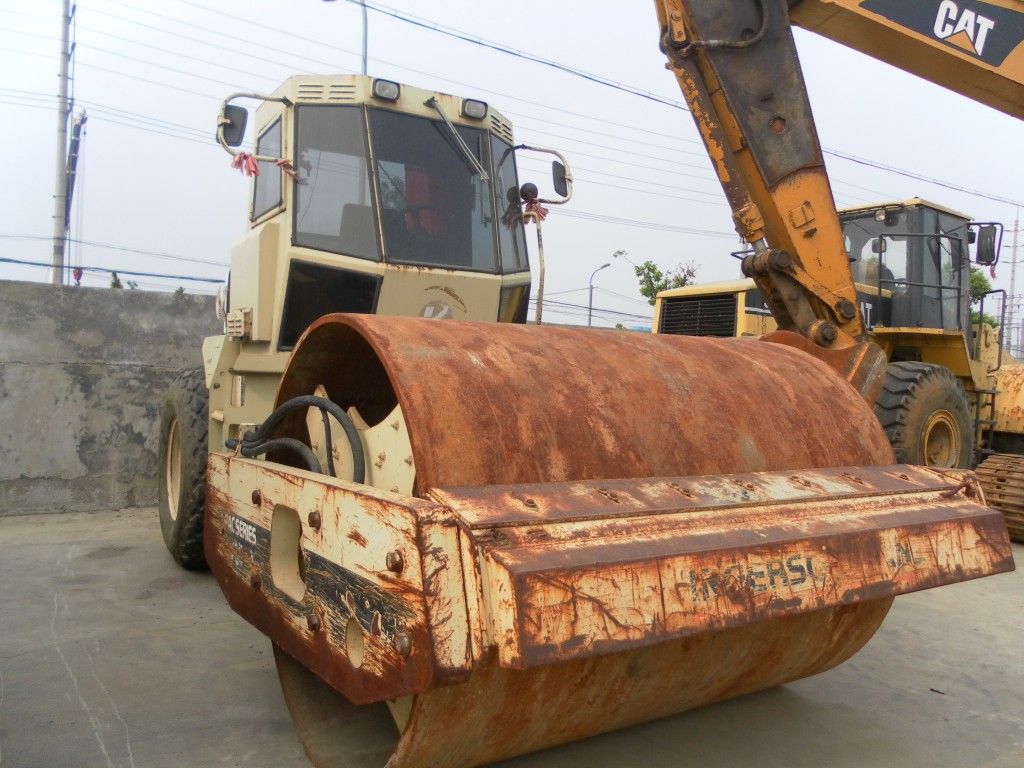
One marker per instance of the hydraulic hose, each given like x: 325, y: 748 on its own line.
x: 286, y: 443
x: 259, y: 441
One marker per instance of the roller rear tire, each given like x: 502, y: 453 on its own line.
x: 182, y: 476
x: 924, y: 412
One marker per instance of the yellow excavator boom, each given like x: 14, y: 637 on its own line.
x: 971, y: 47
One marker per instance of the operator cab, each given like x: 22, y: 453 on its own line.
x: 911, y: 263
x: 911, y: 268
x: 383, y: 198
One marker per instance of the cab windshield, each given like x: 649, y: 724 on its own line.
x: 914, y: 259
x: 435, y: 209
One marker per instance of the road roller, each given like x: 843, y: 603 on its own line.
x: 532, y: 535
x: 470, y: 540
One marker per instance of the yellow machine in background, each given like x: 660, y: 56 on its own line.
x: 911, y: 264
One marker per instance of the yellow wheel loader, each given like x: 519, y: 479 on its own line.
x: 947, y: 400
x: 471, y: 540
x: 911, y: 264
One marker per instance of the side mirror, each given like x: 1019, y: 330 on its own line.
x: 232, y: 126
x: 987, y: 252
x: 559, y: 179
x: 878, y: 245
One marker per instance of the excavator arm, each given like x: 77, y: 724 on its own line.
x: 737, y: 66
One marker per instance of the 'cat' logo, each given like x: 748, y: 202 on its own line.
x: 980, y: 29
x: 964, y: 28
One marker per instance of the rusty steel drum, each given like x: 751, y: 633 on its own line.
x: 496, y: 404
x: 501, y: 403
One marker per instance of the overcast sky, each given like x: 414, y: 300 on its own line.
x: 151, y: 76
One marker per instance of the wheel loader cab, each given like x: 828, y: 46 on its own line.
x: 911, y: 264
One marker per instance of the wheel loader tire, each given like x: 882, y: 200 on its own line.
x: 182, y: 474
x: 924, y: 412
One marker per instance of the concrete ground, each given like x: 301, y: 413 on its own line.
x: 112, y: 656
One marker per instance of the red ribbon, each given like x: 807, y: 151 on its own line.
x: 537, y: 210
x: 246, y: 163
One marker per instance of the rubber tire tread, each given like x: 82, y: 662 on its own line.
x: 912, y: 391
x: 187, y: 400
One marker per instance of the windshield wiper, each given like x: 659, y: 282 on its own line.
x: 466, y: 153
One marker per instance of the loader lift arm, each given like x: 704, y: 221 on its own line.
x: 737, y: 66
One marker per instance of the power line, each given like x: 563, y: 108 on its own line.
x: 602, y: 218
x: 149, y: 81
x: 432, y: 26
x: 605, y: 311
x: 621, y: 221
x: 218, y: 45
x: 621, y: 295
x: 583, y: 141
x: 919, y: 177
x: 124, y: 248
x: 117, y: 112
x: 466, y: 37
x: 261, y: 56
x: 108, y: 270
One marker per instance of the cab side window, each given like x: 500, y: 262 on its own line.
x: 266, y: 195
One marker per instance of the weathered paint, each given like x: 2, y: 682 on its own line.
x: 345, y: 577
x: 491, y: 404
x: 596, y: 567
x: 500, y: 712
x: 1010, y: 400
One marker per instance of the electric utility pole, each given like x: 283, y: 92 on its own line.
x: 60, y: 190
x: 1010, y: 337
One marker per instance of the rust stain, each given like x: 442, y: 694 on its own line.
x: 357, y: 537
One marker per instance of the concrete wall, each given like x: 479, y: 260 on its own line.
x: 82, y: 377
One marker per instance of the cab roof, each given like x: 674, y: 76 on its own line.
x: 358, y: 89
x: 911, y: 203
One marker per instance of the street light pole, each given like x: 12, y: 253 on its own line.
x: 590, y: 305
x: 60, y: 192
x: 366, y: 26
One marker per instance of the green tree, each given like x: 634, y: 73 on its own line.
x: 980, y: 285
x: 653, y: 280
x: 115, y: 281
